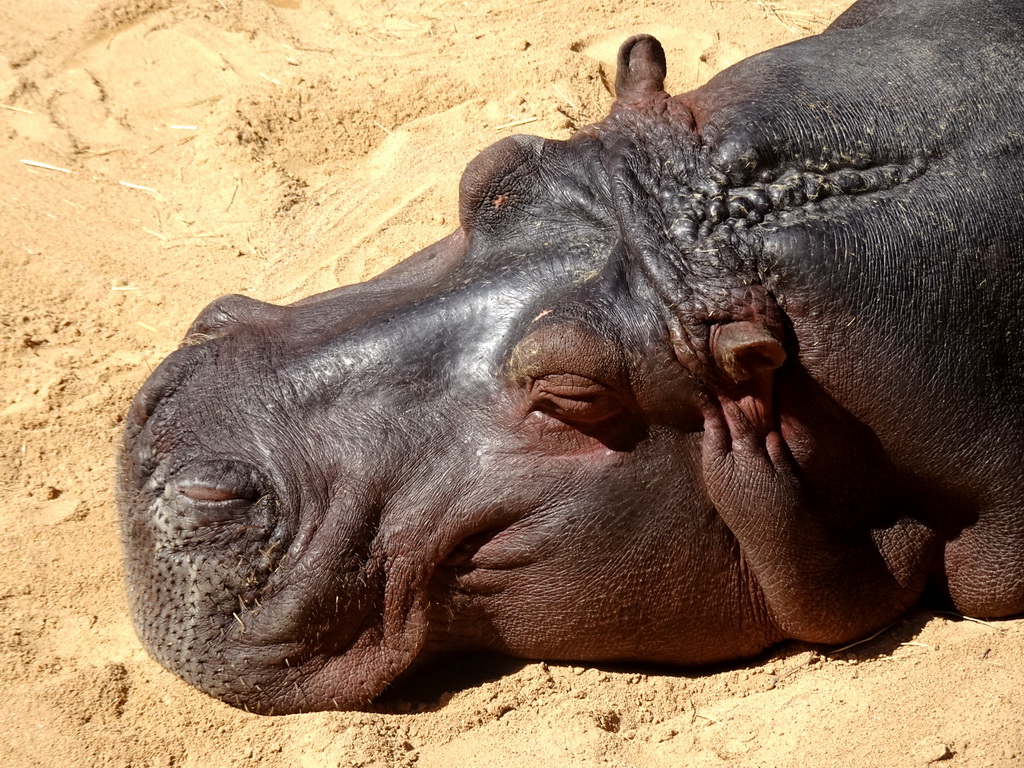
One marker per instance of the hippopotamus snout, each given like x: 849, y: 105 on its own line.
x: 227, y: 561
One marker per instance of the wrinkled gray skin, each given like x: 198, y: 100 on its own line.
x: 725, y: 368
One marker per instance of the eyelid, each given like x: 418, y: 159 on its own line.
x: 214, y: 493
x: 568, y: 385
x: 219, y: 482
x: 574, y: 397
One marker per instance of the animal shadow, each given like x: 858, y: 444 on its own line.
x: 428, y: 688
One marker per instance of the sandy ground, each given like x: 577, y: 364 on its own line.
x: 278, y: 148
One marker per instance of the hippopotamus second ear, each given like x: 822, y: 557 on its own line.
x: 744, y: 349
x: 748, y: 354
x: 641, y: 69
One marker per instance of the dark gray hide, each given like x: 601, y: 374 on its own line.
x: 725, y: 368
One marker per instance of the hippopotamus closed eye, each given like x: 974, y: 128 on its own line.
x: 729, y: 367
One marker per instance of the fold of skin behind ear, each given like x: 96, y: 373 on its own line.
x: 808, y: 493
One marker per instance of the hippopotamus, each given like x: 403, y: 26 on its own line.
x: 726, y: 368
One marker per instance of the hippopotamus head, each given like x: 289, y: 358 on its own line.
x: 613, y: 415
x: 490, y: 446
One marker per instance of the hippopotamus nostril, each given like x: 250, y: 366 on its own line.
x: 227, y: 312
x: 164, y: 381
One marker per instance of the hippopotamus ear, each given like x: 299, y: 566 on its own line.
x: 641, y: 69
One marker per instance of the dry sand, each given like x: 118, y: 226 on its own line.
x: 278, y: 148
